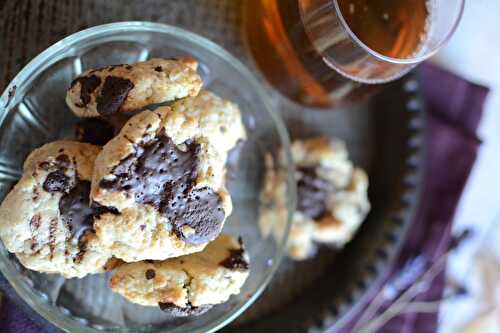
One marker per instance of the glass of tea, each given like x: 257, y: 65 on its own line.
x: 320, y: 53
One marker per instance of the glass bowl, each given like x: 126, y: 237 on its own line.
x: 33, y: 112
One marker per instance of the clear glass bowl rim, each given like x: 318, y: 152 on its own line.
x: 51, y: 55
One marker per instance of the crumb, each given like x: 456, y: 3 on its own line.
x: 10, y: 96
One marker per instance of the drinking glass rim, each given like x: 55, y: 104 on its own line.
x: 405, y: 61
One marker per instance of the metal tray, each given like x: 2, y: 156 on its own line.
x: 385, y: 136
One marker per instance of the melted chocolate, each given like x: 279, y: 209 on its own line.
x: 188, y: 310
x: 114, y: 92
x: 56, y: 181
x: 235, y: 261
x: 44, y: 165
x: 75, y: 210
x: 163, y: 176
x: 99, y: 209
x: 87, y: 86
x: 312, y: 192
x: 201, y: 210
x: 158, y: 69
x: 35, y: 195
x: 63, y: 161
x: 95, y: 131
x: 150, y: 274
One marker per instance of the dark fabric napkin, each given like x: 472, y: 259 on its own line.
x: 454, y: 110
x: 13, y: 320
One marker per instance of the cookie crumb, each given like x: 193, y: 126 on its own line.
x: 10, y: 96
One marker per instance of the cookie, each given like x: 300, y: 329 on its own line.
x: 162, y: 182
x: 217, y: 118
x: 46, y: 220
x: 127, y: 88
x: 331, y: 197
x: 187, y: 285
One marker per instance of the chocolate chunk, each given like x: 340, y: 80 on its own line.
x: 114, y: 92
x: 87, y: 86
x: 63, y: 161
x: 150, y: 274
x: 128, y: 67
x: 56, y: 181
x: 200, y: 210
x: 75, y: 210
x: 236, y: 260
x: 188, y: 310
x: 312, y: 193
x: 82, y: 245
x: 158, y: 69
x: 99, y: 209
x: 95, y: 131
x: 35, y: 195
x: 163, y: 176
x: 44, y: 165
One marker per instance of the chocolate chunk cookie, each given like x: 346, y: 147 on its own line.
x: 165, y: 179
x: 331, y: 197
x: 127, y: 88
x: 187, y: 285
x: 47, y: 219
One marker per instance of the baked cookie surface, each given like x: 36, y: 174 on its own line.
x: 186, y: 285
x: 217, y: 118
x: 162, y: 182
x: 127, y: 88
x: 46, y: 220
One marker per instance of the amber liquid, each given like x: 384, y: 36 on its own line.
x: 394, y: 28
x: 283, y: 51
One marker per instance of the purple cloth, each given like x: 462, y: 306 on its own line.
x: 454, y: 111
x: 12, y: 320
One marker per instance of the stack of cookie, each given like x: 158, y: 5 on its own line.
x: 143, y: 193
